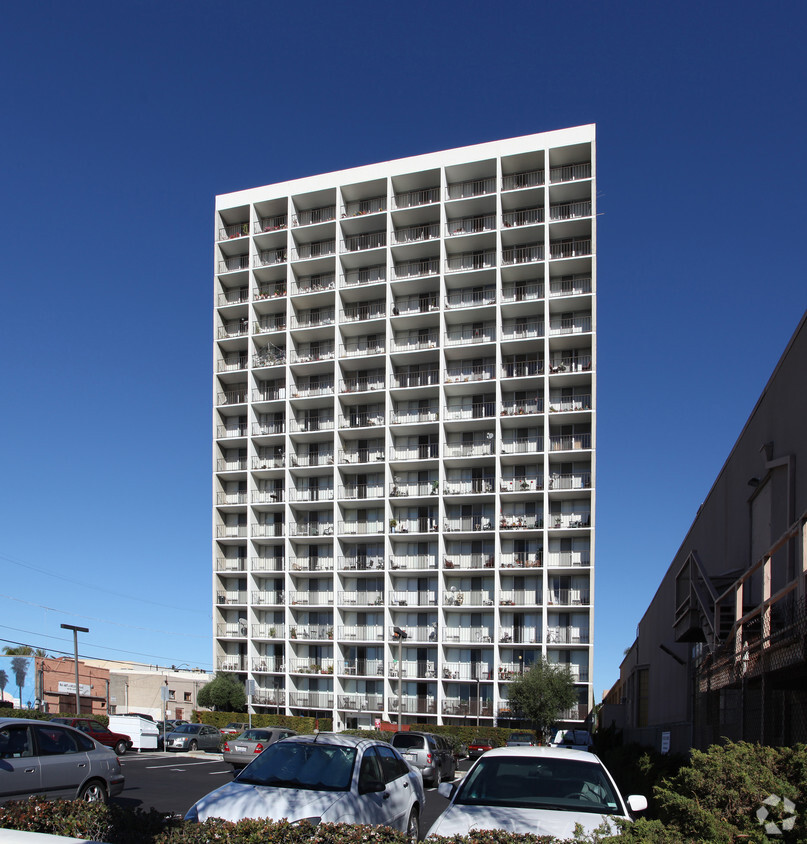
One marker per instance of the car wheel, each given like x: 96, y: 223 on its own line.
x: 413, y: 826
x: 120, y: 748
x: 93, y: 792
x: 194, y: 745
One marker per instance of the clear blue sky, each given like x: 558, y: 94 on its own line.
x: 121, y: 122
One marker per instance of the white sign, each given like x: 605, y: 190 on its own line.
x: 65, y: 688
x: 665, y: 742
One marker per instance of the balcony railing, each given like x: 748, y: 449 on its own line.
x: 232, y: 363
x: 362, y: 419
x: 416, y: 269
x: 568, y: 559
x: 467, y: 597
x: 361, y: 455
x: 570, y: 210
x: 235, y: 328
x: 421, y: 705
x: 404, y: 489
x: 231, y: 597
x: 355, y: 528
x: 427, y: 451
x: 520, y: 521
x: 569, y: 442
x: 360, y: 242
x: 570, y: 172
x: 364, y: 275
x: 569, y: 521
x: 267, y: 564
x: 268, y: 663
x: 482, y: 260
x: 233, y: 231
x: 231, y: 464
x: 364, y: 310
x: 522, y: 329
x: 421, y: 378
x: 570, y: 285
x: 361, y: 598
x: 469, y: 334
x: 513, y: 407
x: 422, y: 598
x: 423, y: 524
x: 313, y: 318
x: 269, y: 529
x: 268, y: 631
x: 422, y: 668
x: 231, y: 630
x: 567, y: 635
x: 471, y: 225
x: 270, y: 257
x: 521, y: 483
x: 570, y: 363
x: 406, y: 305
x: 362, y: 384
x: 417, y: 634
x: 231, y: 564
x: 522, y: 560
x: 271, y: 224
x: 362, y: 346
x: 415, y: 341
x: 226, y: 431
x: 231, y: 663
x: 310, y: 563
x: 473, y: 187
x: 312, y: 216
x: 467, y: 671
x: 362, y: 633
x: 231, y: 498
x: 477, y: 410
x: 361, y: 563
x: 568, y: 597
x: 361, y: 492
x: 273, y: 462
x: 311, y: 700
x: 416, y: 234
x: 307, y: 389
x: 572, y: 324
x: 316, y: 632
x: 237, y: 296
x: 475, y: 372
x: 303, y: 426
x: 266, y: 428
x: 520, y: 635
x: 469, y: 561
x: 522, y: 445
x: 415, y: 198
x: 523, y: 368
x: 409, y: 562
x: 270, y: 291
x: 474, y: 449
x: 314, y: 283
x: 519, y: 181
x: 471, y: 297
x: 234, y: 263
x: 315, y: 249
x: 572, y: 248
x: 361, y: 667
x: 474, y: 486
x: 232, y: 396
x: 311, y: 599
x: 270, y: 322
x: 269, y: 697
x: 427, y: 414
x: 361, y: 703
x: 527, y: 253
x: 520, y: 597
x: 523, y: 291
x: 467, y: 634
x: 268, y: 597
x: 474, y: 522
x: 569, y: 404
x: 525, y: 217
x: 310, y: 529
x: 267, y: 357
x: 360, y: 207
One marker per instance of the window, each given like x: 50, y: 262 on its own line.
x: 171, y: 694
x: 15, y: 742
x: 187, y: 697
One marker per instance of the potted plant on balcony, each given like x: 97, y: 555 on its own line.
x: 330, y: 632
x: 435, y: 487
x: 293, y: 633
x: 393, y: 523
x: 272, y: 632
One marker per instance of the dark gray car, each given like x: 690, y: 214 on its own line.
x: 239, y: 751
x: 54, y: 760
x: 428, y: 752
x: 193, y: 737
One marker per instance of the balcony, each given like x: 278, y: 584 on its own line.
x: 415, y: 378
x: 364, y: 310
x: 269, y: 697
x: 310, y: 425
x: 569, y: 404
x: 271, y: 224
x: 404, y: 489
x: 522, y: 560
x: 425, y: 451
x: 568, y: 597
x: 362, y: 418
x: 268, y: 462
x: 480, y: 260
x: 234, y: 328
x: 527, y: 253
x: 237, y: 296
x: 231, y: 498
x: 520, y: 635
x: 416, y: 198
x: 230, y: 431
x: 312, y: 216
x: 569, y: 324
x: 362, y: 346
x: 361, y: 455
x: 273, y: 597
x: 570, y: 248
x: 477, y: 448
x: 415, y: 414
x: 309, y: 388
x: 520, y: 598
x: 522, y: 407
x: 471, y: 297
x: 313, y: 632
x: 365, y: 275
x: 310, y: 529
x: 361, y: 667
x: 465, y: 635
x: 522, y: 291
x: 263, y: 429
x: 570, y: 210
x: 361, y: 492
x: 231, y: 564
x: 269, y: 631
x: 569, y: 521
x: 473, y: 187
x: 231, y: 663
x: 567, y: 635
x: 362, y: 383
x: 423, y: 524
x: 361, y: 563
x: 313, y: 318
x: 412, y: 562
x: 464, y: 598
x: 362, y: 207
x: 522, y: 368
x: 525, y: 217
x: 477, y: 410
x: 267, y: 564
x: 414, y: 341
x: 234, y: 263
x: 269, y: 529
x: 469, y: 561
x: 522, y: 445
x: 361, y: 598
x: 234, y: 231
x: 270, y: 291
x: 522, y: 329
x: 422, y: 598
x: 472, y: 707
x: 570, y: 363
x: 269, y: 357
x: 467, y: 671
x: 521, y: 483
x: 471, y: 225
x: 570, y: 285
x: 416, y: 634
x: 360, y: 242
x: 475, y: 522
x: 361, y: 703
x: 231, y: 630
x: 519, y: 181
x: 313, y: 283
x: 462, y: 335
x: 416, y: 234
x: 416, y: 269
x: 406, y: 305
x: 569, y: 442
x: 270, y: 322
x: 362, y: 633
x: 311, y: 599
x: 268, y: 663
x: 520, y: 521
x: 310, y: 563
x: 315, y: 249
x: 230, y: 397
x: 270, y: 257
x: 230, y: 531
x: 311, y: 700
x: 231, y: 464
x: 424, y: 669
x: 304, y: 665
x: 420, y: 705
x: 470, y: 372
x: 232, y: 363
x: 473, y: 486
x: 361, y: 528
x: 231, y: 597
x: 570, y: 172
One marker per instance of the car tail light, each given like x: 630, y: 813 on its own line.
x: 429, y: 758
x: 226, y: 747
x: 258, y: 748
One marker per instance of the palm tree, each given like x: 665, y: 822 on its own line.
x: 19, y: 665
x: 18, y: 650
x: 3, y: 682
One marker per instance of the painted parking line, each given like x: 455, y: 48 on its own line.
x: 191, y: 763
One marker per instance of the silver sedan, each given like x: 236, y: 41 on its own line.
x: 241, y: 750
x: 193, y: 737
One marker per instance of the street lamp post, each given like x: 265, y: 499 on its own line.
x: 76, y: 631
x: 399, y: 635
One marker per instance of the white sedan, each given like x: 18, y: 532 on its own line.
x: 325, y: 778
x: 540, y: 790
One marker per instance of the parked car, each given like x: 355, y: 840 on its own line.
x: 139, y: 715
x: 329, y: 778
x: 538, y: 790
x: 572, y: 739
x: 46, y: 758
x: 431, y: 754
x: 521, y: 740
x: 241, y: 750
x: 481, y: 745
x: 234, y: 728
x: 119, y: 741
x: 193, y: 737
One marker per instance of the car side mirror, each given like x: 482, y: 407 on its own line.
x: 446, y: 789
x: 372, y: 787
x: 637, y: 803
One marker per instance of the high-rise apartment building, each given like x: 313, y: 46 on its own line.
x: 404, y: 432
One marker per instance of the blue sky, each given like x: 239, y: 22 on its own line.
x: 121, y: 122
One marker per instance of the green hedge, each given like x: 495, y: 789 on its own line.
x: 36, y: 715
x: 293, y: 722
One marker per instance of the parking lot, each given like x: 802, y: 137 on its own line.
x: 173, y: 782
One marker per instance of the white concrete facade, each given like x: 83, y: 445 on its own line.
x: 404, y: 431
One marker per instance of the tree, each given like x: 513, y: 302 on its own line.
x: 19, y: 665
x: 3, y: 683
x: 18, y: 650
x: 223, y: 692
x: 543, y: 692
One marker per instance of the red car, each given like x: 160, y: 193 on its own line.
x: 95, y: 729
x: 481, y: 745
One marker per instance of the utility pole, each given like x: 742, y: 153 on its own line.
x: 76, y: 631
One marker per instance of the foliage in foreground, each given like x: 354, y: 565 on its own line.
x: 543, y: 692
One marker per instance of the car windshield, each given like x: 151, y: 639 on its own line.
x: 530, y: 782
x: 188, y: 728
x: 256, y: 735
x: 316, y: 767
x: 404, y: 742
x: 521, y: 737
x: 481, y: 741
